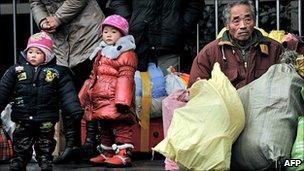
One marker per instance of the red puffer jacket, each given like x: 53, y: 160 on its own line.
x: 111, y: 82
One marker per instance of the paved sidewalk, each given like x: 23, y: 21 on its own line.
x: 140, y: 163
x: 144, y: 165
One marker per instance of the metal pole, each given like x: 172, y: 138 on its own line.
x: 14, y: 31
x: 216, y: 16
x: 197, y: 38
x: 31, y: 22
x: 257, y: 13
x: 300, y: 17
x: 278, y: 14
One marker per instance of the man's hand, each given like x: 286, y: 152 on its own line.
x: 52, y: 21
x: 45, y: 26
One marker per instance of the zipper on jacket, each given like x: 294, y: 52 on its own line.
x: 245, y: 57
x: 36, y: 73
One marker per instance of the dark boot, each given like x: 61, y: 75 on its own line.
x: 17, y: 164
x: 46, y: 164
x: 88, y: 149
x: 72, y: 135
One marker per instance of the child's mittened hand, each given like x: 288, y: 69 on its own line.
x: 122, y: 108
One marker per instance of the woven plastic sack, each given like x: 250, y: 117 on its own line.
x: 272, y: 104
x: 201, y: 133
x: 298, y: 146
x: 157, y: 87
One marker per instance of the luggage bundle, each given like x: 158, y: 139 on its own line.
x: 6, y: 130
x: 201, y: 132
x: 151, y: 88
x: 272, y: 104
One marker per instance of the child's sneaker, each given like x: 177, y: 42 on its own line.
x: 105, y: 153
x: 122, y: 157
x: 17, y: 164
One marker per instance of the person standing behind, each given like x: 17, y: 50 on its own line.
x: 36, y: 86
x: 243, y: 53
x: 108, y: 94
x: 73, y: 25
x: 159, y: 28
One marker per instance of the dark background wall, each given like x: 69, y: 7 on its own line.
x: 267, y: 21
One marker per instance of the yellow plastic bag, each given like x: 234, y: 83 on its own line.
x: 201, y: 133
x: 277, y: 35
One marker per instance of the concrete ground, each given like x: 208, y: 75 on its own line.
x: 144, y: 165
x: 140, y: 163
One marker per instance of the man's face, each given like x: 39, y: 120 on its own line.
x: 241, y: 23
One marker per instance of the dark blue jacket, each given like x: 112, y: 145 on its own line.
x: 37, y: 93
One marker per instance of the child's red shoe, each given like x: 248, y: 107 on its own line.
x: 105, y: 153
x: 122, y: 158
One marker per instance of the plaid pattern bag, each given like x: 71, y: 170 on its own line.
x: 6, y: 149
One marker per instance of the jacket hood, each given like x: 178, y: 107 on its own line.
x: 123, y: 44
x: 50, y: 58
x: 224, y: 39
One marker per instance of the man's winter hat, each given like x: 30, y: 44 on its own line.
x: 42, y: 41
x: 118, y: 22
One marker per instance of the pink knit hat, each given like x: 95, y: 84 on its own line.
x: 118, y: 22
x: 42, y: 41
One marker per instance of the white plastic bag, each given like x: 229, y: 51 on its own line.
x: 8, y: 124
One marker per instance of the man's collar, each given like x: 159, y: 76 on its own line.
x: 263, y: 41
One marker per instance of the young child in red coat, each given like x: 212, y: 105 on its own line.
x: 107, y: 95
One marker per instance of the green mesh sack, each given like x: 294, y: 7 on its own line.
x: 298, y: 146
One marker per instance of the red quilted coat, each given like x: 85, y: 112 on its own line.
x: 111, y: 82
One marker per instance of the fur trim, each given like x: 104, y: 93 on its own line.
x: 123, y: 44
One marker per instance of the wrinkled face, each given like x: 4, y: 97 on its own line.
x: 35, y: 56
x: 241, y: 23
x: 110, y: 35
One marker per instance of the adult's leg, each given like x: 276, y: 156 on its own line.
x: 81, y: 73
x: 71, y: 127
x: 88, y: 149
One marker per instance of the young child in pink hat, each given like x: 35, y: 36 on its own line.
x: 107, y: 95
x: 36, y: 86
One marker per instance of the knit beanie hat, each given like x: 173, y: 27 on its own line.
x: 118, y: 22
x: 43, y: 42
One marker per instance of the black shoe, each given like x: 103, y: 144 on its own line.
x: 67, y: 155
x: 17, y: 164
x: 87, y: 151
x: 46, y: 164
